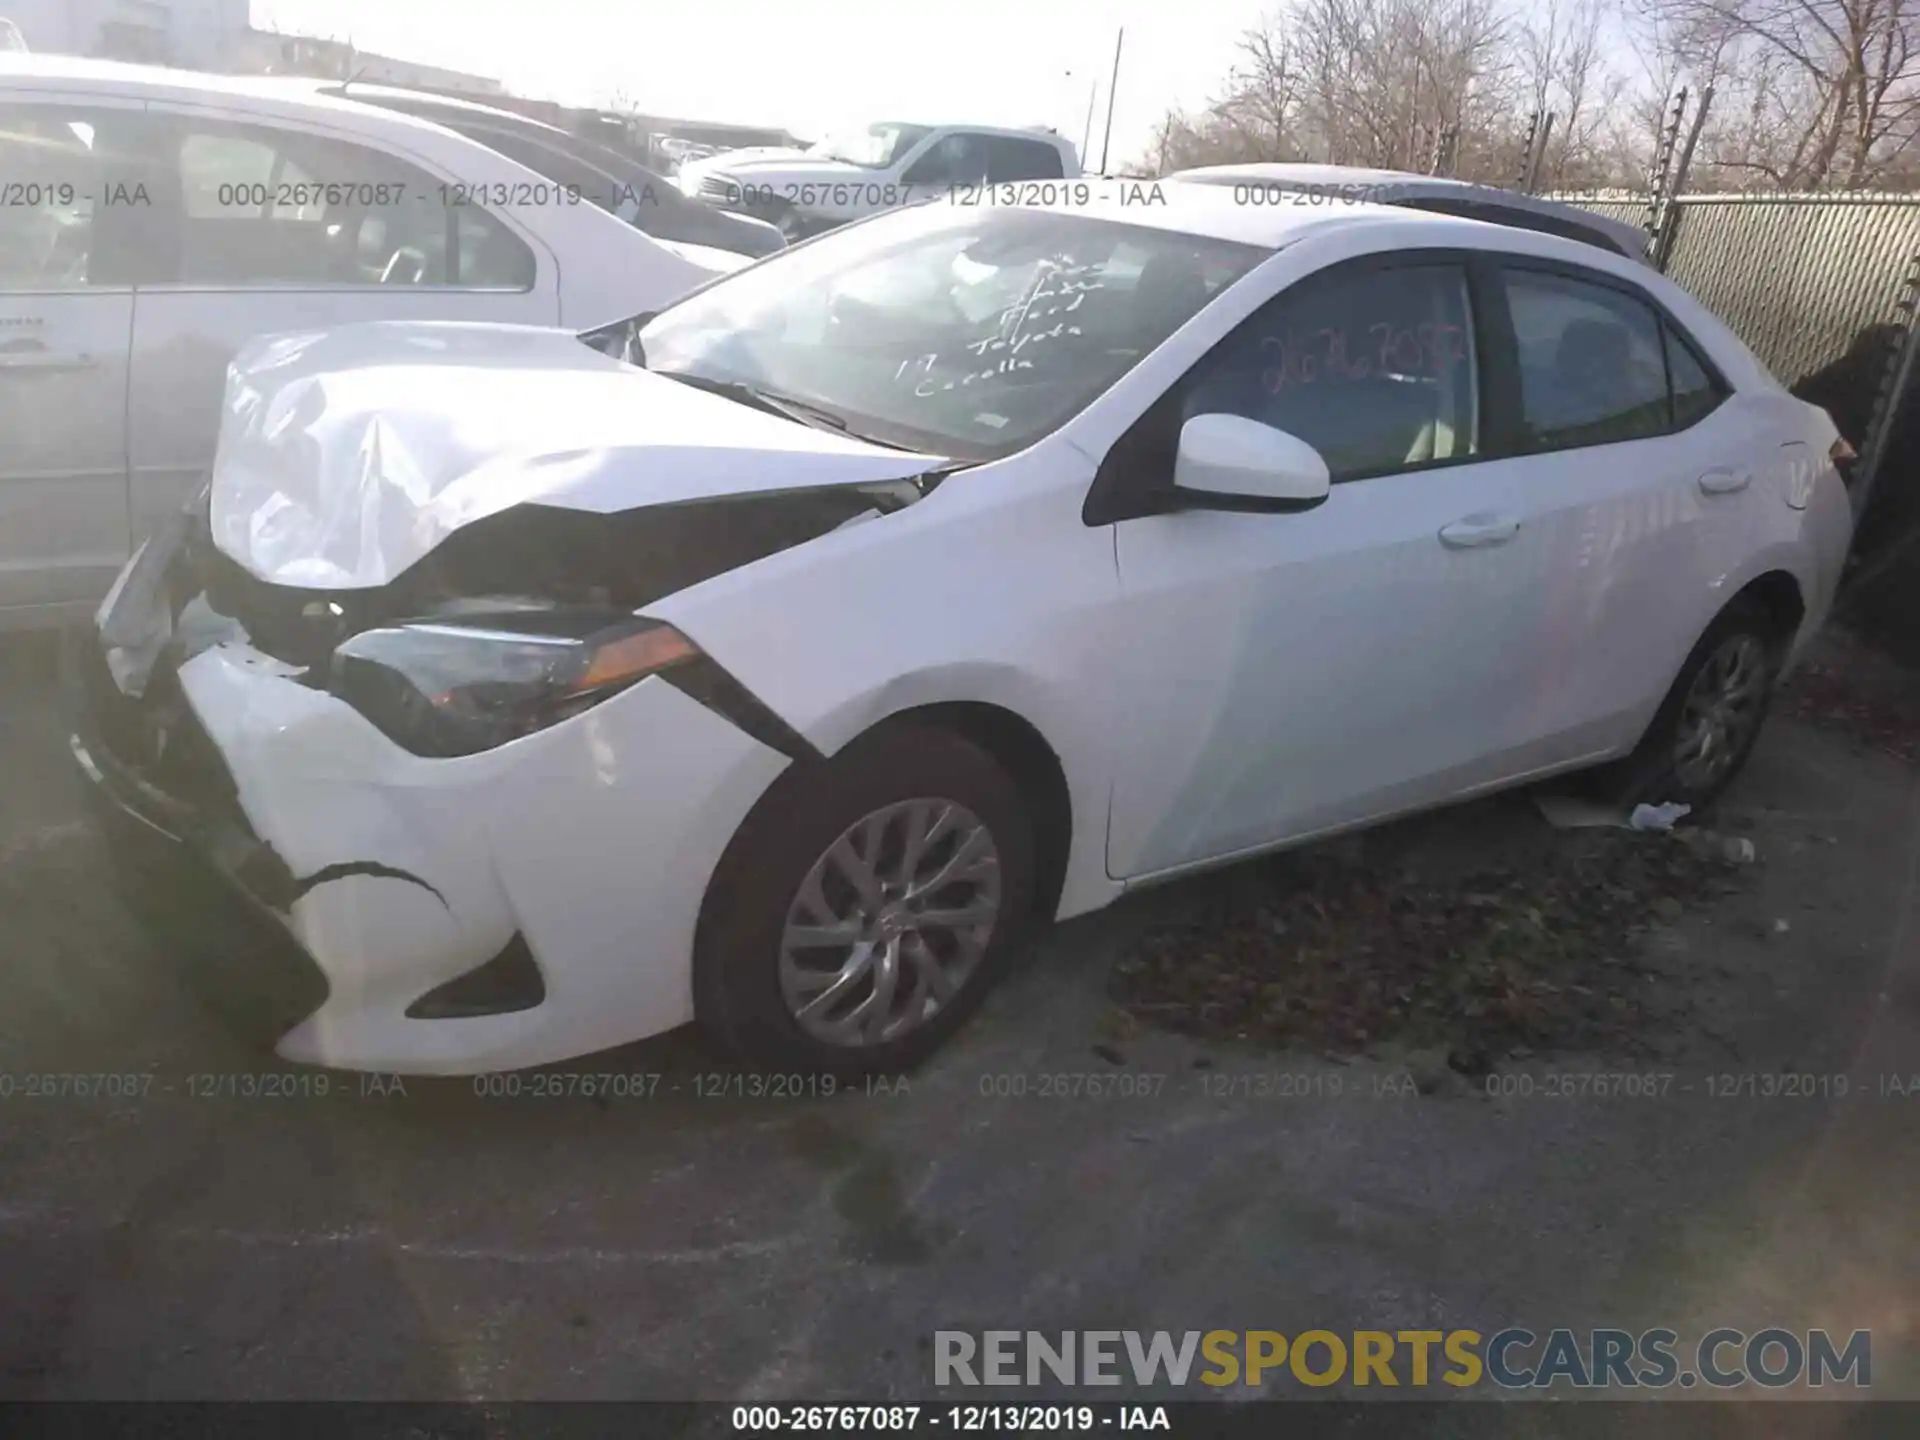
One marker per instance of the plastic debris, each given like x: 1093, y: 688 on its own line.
x: 1657, y: 817
x: 1739, y: 850
x: 1569, y: 812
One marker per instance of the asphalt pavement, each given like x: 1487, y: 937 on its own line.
x: 190, y: 1237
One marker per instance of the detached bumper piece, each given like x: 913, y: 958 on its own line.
x: 185, y: 861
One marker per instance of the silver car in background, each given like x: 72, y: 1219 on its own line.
x: 166, y: 218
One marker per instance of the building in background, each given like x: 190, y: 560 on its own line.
x: 195, y: 34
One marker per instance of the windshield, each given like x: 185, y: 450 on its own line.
x: 967, y: 333
x: 874, y: 148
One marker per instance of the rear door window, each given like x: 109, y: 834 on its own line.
x: 1696, y: 391
x: 1591, y: 358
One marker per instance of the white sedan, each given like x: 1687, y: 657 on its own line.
x: 154, y: 221
x: 963, y: 569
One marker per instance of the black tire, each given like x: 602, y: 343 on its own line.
x: 737, y: 991
x: 792, y: 224
x: 1652, y: 773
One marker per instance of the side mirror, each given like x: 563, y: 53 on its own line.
x: 1228, y: 462
x: 621, y: 339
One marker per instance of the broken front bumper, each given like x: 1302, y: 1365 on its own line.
x: 445, y: 916
x: 195, y: 873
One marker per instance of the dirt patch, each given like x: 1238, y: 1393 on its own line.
x: 1319, y: 952
x: 1847, y: 686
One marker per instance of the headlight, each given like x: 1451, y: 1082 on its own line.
x: 456, y: 687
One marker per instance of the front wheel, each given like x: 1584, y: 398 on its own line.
x: 792, y: 225
x: 863, y: 912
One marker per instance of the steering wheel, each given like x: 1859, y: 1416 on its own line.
x: 405, y: 254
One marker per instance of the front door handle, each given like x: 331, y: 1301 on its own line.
x: 1724, y: 482
x: 1472, y: 532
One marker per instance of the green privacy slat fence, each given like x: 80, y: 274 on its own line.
x: 1800, y: 278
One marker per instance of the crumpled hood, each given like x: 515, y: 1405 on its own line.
x: 346, y: 455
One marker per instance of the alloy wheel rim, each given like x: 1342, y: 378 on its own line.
x: 1721, y: 713
x: 890, y: 922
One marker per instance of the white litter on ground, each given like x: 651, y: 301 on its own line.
x: 1657, y: 817
x: 1568, y: 812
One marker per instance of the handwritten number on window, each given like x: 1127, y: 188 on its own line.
x: 1307, y: 357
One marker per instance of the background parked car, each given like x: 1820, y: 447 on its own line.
x: 1333, y: 184
x: 616, y: 183
x: 865, y: 171
x: 174, y: 217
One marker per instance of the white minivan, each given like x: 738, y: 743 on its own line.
x: 155, y: 221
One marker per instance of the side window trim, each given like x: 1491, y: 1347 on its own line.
x: 1124, y: 486
x: 1666, y: 324
x: 1673, y: 331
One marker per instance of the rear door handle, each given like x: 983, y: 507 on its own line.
x: 1471, y: 532
x: 1724, y: 482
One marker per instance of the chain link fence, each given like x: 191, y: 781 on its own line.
x: 1801, y: 278
x: 1820, y: 288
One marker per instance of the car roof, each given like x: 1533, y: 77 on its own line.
x: 1213, y: 211
x: 389, y: 97
x: 1395, y: 186
x: 1210, y: 210
x: 266, y: 94
x: 476, y: 121
x: 1304, y: 173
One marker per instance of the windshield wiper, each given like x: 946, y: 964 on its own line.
x: 787, y: 407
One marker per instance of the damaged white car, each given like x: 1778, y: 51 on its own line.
x: 961, y: 569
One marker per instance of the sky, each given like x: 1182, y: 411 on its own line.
x: 814, y: 66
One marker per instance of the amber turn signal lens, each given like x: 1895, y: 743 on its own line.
x: 630, y: 657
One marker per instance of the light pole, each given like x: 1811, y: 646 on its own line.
x: 1112, y: 87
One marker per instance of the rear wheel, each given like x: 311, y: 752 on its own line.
x: 1707, y: 726
x: 864, y: 912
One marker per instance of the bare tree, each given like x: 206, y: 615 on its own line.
x: 1564, y: 71
x: 1262, y: 107
x: 1827, y: 92
x: 1378, y: 82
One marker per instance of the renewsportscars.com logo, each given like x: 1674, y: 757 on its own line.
x: 1513, y: 1358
